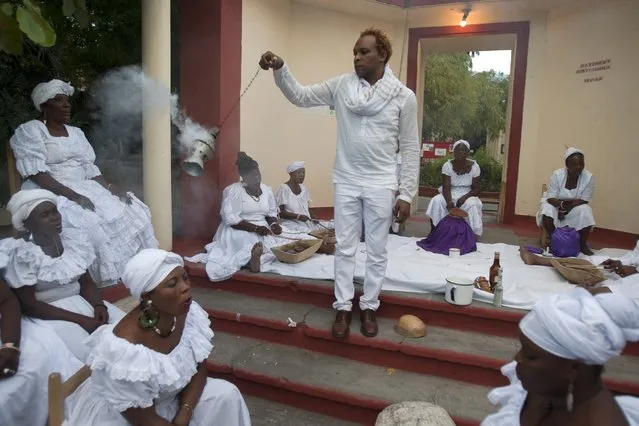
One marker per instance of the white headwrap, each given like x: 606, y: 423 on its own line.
x: 147, y: 269
x: 583, y: 327
x: 45, y: 91
x: 461, y: 142
x: 23, y: 202
x: 570, y: 151
x: 295, y: 166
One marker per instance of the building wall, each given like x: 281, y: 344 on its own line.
x: 559, y: 108
x: 599, y: 117
x: 316, y: 44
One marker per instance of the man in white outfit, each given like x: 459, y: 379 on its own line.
x: 375, y: 114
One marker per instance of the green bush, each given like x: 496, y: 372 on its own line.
x: 431, y: 173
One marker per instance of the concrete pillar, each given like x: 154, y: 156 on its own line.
x: 156, y: 62
x: 210, y: 84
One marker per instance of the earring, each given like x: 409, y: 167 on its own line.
x: 569, y: 398
x: 149, y: 316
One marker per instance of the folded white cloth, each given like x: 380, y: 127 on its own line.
x: 23, y: 202
x: 580, y: 326
x: 45, y: 91
x: 147, y: 269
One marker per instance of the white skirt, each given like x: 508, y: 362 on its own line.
x: 231, y: 249
x: 118, y: 231
x: 579, y: 218
x: 437, y: 210
x: 23, y: 397
x: 71, y: 333
x: 221, y: 403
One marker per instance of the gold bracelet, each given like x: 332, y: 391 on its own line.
x: 188, y: 407
x: 11, y: 346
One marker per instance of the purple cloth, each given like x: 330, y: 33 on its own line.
x: 451, y: 232
x: 565, y: 242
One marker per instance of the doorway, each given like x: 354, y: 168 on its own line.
x: 499, y: 36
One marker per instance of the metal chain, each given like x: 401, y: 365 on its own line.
x: 240, y: 98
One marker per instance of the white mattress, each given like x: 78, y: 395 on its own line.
x: 411, y: 269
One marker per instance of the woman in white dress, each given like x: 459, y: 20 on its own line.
x: 556, y: 377
x: 249, y: 226
x: 565, y: 203
x: 55, y: 156
x: 293, y: 200
x: 150, y: 369
x: 28, y: 354
x: 49, y: 272
x: 460, y: 189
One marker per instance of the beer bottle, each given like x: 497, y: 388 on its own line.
x: 494, y: 270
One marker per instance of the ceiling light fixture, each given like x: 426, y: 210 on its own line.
x: 464, y: 18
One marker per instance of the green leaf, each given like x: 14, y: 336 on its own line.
x: 31, y: 6
x: 80, y: 4
x: 10, y: 35
x: 68, y: 7
x: 35, y: 26
x: 7, y: 9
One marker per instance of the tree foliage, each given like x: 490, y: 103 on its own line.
x: 461, y: 104
x: 109, y: 38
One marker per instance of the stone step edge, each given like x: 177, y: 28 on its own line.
x: 368, y: 403
x: 492, y: 377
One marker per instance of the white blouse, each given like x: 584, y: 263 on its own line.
x: 54, y: 278
x: 464, y: 180
x: 294, y: 203
x: 557, y: 186
x: 126, y: 375
x: 238, y: 205
x: 65, y: 158
x: 511, y: 399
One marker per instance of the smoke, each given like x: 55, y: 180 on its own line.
x: 116, y: 103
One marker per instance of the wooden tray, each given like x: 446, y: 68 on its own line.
x: 311, y: 248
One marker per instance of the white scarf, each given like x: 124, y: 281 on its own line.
x: 147, y: 269
x: 370, y: 100
x: 580, y: 326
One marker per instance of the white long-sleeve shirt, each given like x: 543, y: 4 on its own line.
x: 366, y: 145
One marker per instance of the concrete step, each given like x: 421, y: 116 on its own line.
x: 444, y: 352
x: 431, y: 308
x: 348, y: 389
x: 269, y: 413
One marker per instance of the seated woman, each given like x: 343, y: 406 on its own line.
x: 249, y: 226
x: 49, y: 272
x: 28, y: 354
x: 460, y: 189
x: 150, y: 369
x: 570, y: 189
x: 293, y: 200
x: 55, y: 156
x: 556, y: 377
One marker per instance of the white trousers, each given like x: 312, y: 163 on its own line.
x: 375, y: 206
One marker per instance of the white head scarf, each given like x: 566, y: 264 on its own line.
x: 570, y: 151
x: 147, y: 269
x: 23, y: 202
x: 461, y: 142
x: 583, y: 327
x: 295, y: 166
x: 45, y: 91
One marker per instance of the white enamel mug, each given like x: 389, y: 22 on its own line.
x: 459, y: 291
